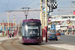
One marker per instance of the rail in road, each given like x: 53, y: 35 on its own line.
x: 15, y: 45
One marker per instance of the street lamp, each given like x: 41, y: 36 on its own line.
x: 25, y: 12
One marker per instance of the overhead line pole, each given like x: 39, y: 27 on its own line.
x: 41, y: 17
x: 41, y: 12
x: 8, y: 23
x: 8, y: 20
x: 46, y: 19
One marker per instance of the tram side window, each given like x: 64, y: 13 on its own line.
x: 40, y: 31
x: 22, y: 30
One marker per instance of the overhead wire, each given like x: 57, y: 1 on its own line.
x: 30, y: 3
x: 8, y: 6
x: 9, y: 9
x: 9, y: 2
x: 26, y: 5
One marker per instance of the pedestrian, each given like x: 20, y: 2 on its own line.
x: 66, y: 32
x: 32, y: 32
x: 10, y: 35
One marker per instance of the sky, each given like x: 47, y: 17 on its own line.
x: 64, y: 7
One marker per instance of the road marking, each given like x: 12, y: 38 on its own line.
x: 65, y: 46
x: 70, y: 35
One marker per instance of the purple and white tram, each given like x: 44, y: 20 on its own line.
x: 31, y: 31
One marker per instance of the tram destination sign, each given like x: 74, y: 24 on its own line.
x: 33, y: 23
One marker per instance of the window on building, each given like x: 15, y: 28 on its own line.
x: 69, y: 17
x: 64, y: 17
x: 73, y: 16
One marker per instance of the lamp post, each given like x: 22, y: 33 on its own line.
x: 26, y: 12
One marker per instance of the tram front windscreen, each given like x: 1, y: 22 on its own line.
x: 31, y: 29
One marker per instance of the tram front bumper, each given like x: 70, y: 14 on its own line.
x: 32, y: 40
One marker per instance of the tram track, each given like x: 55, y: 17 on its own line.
x: 19, y: 48
x: 6, y: 45
x: 40, y: 47
x: 24, y: 47
x: 2, y: 45
x: 15, y: 45
x: 33, y: 47
x: 47, y: 47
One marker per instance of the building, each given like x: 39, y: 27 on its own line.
x: 4, y: 26
x: 63, y: 22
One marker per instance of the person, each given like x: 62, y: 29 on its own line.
x: 32, y: 32
x: 10, y: 35
x: 66, y: 32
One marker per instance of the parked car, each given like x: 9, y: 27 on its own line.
x: 52, y: 37
x: 58, y: 33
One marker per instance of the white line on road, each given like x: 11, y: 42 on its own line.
x: 65, y: 46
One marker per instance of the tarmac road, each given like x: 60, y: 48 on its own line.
x: 15, y: 45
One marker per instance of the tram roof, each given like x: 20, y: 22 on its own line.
x: 31, y: 20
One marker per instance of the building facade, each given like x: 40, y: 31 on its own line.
x: 4, y: 26
x: 63, y: 22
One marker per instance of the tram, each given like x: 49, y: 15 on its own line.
x: 31, y: 31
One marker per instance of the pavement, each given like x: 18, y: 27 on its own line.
x: 63, y: 46
x: 6, y: 38
x: 70, y: 34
